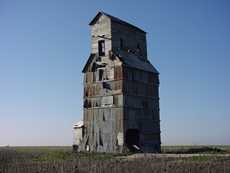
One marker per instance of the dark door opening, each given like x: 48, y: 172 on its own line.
x: 132, y: 140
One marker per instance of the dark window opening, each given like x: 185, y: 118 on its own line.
x: 87, y: 103
x: 106, y: 85
x: 121, y: 43
x: 138, y: 48
x: 101, y: 47
x: 132, y: 140
x: 101, y: 72
x: 103, y: 118
x: 98, y: 59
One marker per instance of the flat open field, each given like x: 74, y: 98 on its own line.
x: 174, y: 159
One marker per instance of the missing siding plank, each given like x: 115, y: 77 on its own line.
x: 100, y: 138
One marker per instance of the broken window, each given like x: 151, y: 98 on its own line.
x: 103, y: 74
x: 106, y: 85
x: 101, y: 48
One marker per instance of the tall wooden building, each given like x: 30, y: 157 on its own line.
x: 121, y: 90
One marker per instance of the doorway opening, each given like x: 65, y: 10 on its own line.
x: 132, y: 140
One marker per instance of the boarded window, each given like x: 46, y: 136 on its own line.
x: 107, y: 101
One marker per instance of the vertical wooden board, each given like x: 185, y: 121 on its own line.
x: 118, y: 72
x: 91, y: 77
x: 113, y: 126
x: 90, y: 115
x: 115, y: 100
x: 128, y: 87
x: 124, y: 87
x: 85, y: 117
x: 129, y: 74
x: 120, y: 100
x: 125, y: 101
x: 125, y: 73
x: 108, y: 125
x: 145, y: 77
x: 101, y: 115
x: 89, y: 91
x: 151, y: 78
x: 146, y: 90
x: 110, y: 73
x: 119, y: 120
x: 141, y: 89
x: 96, y: 116
x: 97, y: 89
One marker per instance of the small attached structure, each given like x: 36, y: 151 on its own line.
x: 121, y: 98
x: 78, y: 131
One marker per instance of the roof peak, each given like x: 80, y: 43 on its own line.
x: 114, y: 19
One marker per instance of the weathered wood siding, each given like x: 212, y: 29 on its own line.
x: 120, y: 90
x: 101, y: 28
x: 103, y: 108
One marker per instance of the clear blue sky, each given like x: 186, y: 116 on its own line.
x: 44, y: 45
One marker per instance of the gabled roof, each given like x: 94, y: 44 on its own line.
x: 114, y: 19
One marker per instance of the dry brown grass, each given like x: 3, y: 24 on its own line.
x: 59, y: 160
